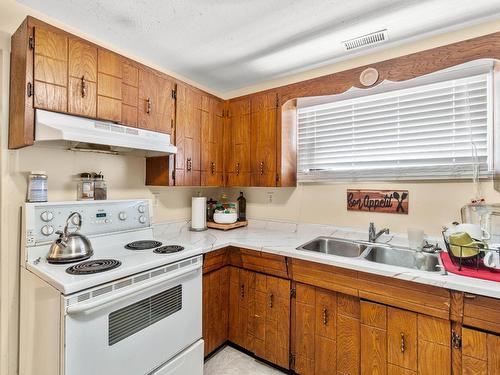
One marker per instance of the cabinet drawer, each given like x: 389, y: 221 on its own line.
x: 258, y: 261
x: 215, y: 260
x: 482, y: 312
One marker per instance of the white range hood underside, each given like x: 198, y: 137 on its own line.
x: 75, y: 132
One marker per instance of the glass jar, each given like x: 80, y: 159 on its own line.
x: 85, y: 190
x: 37, y: 187
x: 100, y: 187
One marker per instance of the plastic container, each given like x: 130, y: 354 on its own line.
x: 37, y: 187
x: 100, y: 187
x: 85, y: 189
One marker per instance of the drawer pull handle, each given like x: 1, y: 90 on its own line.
x: 325, y: 316
x: 469, y: 296
x: 84, y: 87
x: 271, y: 300
x: 242, y: 291
x: 188, y: 164
x: 261, y: 168
x: 148, y: 106
x: 403, y: 344
x: 212, y: 167
x: 237, y: 169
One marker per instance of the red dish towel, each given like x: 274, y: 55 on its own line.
x: 482, y: 272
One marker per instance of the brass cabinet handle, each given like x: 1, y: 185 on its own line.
x: 84, y: 87
x: 325, y: 316
x: 261, y: 168
x: 271, y: 300
x: 242, y: 291
x: 237, y: 169
x: 403, y: 344
x: 189, y: 164
x: 148, y: 106
x: 212, y: 167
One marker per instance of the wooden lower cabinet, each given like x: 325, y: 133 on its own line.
x: 327, y: 332
x: 480, y: 353
x: 215, y: 308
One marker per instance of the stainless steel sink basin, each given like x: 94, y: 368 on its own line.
x: 334, y: 246
x: 404, y: 258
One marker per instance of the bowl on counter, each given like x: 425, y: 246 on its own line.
x: 225, y: 217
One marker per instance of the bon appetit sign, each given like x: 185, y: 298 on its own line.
x: 388, y: 201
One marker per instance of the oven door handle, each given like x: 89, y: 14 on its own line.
x: 98, y: 304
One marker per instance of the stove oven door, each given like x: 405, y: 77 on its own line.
x: 137, y: 329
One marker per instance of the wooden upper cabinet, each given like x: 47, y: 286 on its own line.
x: 50, y: 70
x: 238, y: 139
x: 212, y: 138
x: 82, y: 71
x: 263, y: 123
x: 109, y: 86
x: 187, y: 137
x: 156, y: 105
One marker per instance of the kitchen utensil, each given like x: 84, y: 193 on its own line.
x: 492, y: 257
x: 198, y: 214
x: 463, y: 246
x: 415, y: 238
x: 70, y: 247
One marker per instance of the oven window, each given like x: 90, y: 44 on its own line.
x: 140, y: 315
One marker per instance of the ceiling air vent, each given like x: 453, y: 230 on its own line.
x: 366, y: 40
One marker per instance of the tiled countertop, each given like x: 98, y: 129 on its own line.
x: 283, y: 239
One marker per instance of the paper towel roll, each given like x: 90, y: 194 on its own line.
x: 198, y: 213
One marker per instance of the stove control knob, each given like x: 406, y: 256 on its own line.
x: 122, y: 216
x: 141, y: 208
x: 47, y: 230
x: 142, y: 219
x: 46, y: 216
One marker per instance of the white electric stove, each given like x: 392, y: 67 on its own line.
x: 133, y: 308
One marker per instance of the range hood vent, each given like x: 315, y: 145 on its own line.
x: 366, y: 40
x: 78, y: 133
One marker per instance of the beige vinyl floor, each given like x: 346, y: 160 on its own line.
x: 230, y: 361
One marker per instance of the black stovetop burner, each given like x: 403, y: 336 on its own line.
x: 168, y: 249
x: 142, y: 245
x: 93, y: 266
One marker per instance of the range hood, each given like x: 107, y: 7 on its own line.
x: 78, y: 133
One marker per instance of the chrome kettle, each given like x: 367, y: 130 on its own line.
x: 70, y: 247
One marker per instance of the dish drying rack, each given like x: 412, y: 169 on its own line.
x: 471, y: 262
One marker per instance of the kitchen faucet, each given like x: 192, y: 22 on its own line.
x: 372, y: 233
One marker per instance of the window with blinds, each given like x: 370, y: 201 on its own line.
x: 432, y: 131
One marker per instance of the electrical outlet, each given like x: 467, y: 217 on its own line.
x: 156, y: 199
x: 270, y: 197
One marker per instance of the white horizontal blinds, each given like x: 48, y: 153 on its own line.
x: 420, y: 132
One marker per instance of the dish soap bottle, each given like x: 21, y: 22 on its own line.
x: 242, y: 207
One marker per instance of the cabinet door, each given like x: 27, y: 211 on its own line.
x: 109, y: 86
x: 373, y: 339
x: 50, y: 70
x: 263, y: 139
x: 480, y: 353
x: 212, y: 136
x: 130, y: 94
x: 82, y: 70
x: 325, y: 359
x: 277, y: 321
x: 305, y: 329
x: 240, y: 290
x: 238, y: 158
x: 348, y: 334
x: 215, y: 308
x: 187, y: 137
x: 402, y: 338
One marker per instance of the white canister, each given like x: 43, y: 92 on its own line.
x: 198, y: 214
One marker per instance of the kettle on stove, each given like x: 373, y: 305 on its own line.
x: 70, y: 246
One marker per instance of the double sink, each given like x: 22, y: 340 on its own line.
x: 374, y: 252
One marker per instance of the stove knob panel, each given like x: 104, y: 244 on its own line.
x: 46, y: 216
x: 141, y: 208
x: 142, y: 219
x: 47, y: 230
x: 122, y: 216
